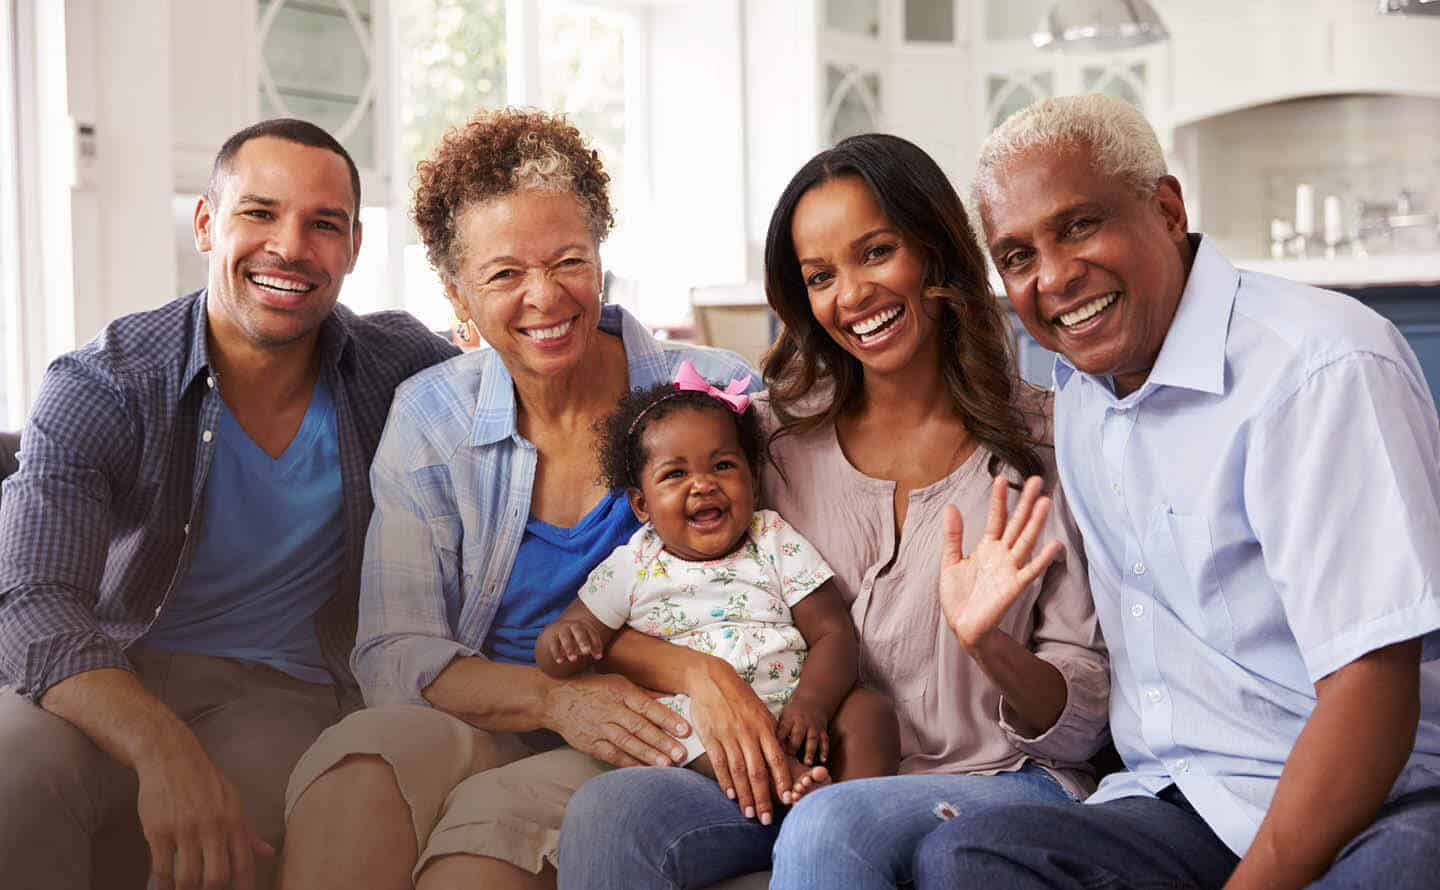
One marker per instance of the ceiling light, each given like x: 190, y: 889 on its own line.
x: 1103, y: 25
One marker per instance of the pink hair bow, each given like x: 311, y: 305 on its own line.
x: 688, y: 379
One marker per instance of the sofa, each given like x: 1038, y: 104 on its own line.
x: 9, y: 454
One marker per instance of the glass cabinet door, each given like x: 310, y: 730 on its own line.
x: 317, y: 63
x: 854, y: 102
x: 929, y: 21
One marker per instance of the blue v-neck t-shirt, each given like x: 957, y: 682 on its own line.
x: 551, y: 564
x: 272, y: 539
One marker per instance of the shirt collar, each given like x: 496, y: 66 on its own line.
x: 1193, y: 354
x: 334, y: 340
x: 495, y: 403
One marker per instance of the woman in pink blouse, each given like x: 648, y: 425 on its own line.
x: 892, y: 398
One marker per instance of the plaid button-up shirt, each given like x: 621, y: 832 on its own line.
x: 100, y: 522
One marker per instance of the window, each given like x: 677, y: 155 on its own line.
x: 12, y: 369
x: 389, y: 77
x: 454, y: 56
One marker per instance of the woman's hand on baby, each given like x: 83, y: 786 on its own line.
x: 574, y: 640
x: 977, y: 590
x: 804, y: 730
x: 738, y: 732
x: 612, y: 719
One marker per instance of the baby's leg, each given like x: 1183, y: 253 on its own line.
x: 864, y: 737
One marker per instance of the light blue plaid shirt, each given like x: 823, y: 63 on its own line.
x: 1263, y: 511
x: 452, y: 481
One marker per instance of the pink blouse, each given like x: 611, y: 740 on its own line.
x: 952, y: 718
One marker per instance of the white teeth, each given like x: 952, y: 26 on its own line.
x: 285, y: 284
x: 875, y: 322
x: 558, y: 330
x: 1075, y: 316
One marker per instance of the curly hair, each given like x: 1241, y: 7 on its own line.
x: 495, y: 153
x: 979, y: 371
x: 621, y: 436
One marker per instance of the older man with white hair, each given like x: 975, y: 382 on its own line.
x: 1255, y: 467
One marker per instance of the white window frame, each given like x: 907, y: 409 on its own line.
x: 522, y: 88
x: 36, y: 174
x: 12, y: 343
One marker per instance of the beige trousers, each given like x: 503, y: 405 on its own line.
x: 470, y: 792
x: 60, y: 794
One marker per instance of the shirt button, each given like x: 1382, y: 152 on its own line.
x: 206, y: 436
x: 1155, y: 696
x: 1138, y: 568
x: 1115, y: 487
x: 210, y: 382
x: 1137, y: 610
x: 187, y: 528
x: 1182, y: 766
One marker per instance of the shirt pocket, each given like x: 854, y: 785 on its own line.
x: 434, y: 494
x: 1181, y: 554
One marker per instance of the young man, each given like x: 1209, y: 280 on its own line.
x: 180, y: 548
x: 1255, y: 467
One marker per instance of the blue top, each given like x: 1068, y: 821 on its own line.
x: 1260, y: 513
x: 270, y: 542
x: 452, y: 481
x: 550, y: 566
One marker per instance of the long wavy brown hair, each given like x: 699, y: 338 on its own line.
x: 979, y: 369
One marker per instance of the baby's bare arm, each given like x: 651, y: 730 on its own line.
x: 573, y: 642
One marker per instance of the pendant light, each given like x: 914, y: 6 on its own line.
x: 1409, y: 7
x: 1102, y: 25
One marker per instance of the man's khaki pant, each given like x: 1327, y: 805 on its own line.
x: 59, y: 792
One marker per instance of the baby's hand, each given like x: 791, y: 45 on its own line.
x: 804, y: 732
x: 574, y: 640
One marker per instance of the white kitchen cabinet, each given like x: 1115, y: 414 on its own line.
x: 1232, y: 54
x: 213, y: 87
x: 235, y: 62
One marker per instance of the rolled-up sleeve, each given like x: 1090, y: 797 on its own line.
x: 55, y: 520
x: 1067, y: 635
x: 411, y: 569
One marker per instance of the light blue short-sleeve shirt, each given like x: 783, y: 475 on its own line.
x: 1264, y: 510
x: 452, y: 481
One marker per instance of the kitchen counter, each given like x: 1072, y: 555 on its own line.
x: 1371, y: 271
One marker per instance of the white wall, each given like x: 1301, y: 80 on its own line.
x: 118, y: 60
x: 781, y: 109
x: 697, y: 227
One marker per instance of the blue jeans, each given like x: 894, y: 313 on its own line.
x: 862, y: 835
x: 663, y: 828
x: 1141, y: 842
x: 657, y: 827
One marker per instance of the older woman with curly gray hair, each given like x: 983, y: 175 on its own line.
x: 488, y: 517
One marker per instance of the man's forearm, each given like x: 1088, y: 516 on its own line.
x: 1342, y: 766
x: 492, y: 695
x: 119, y: 714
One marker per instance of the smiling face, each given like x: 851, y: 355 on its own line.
x: 696, y: 487
x: 281, y: 235
x: 530, y: 279
x: 865, y: 280
x: 1094, y: 270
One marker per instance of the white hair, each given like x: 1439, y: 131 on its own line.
x: 1121, y: 142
